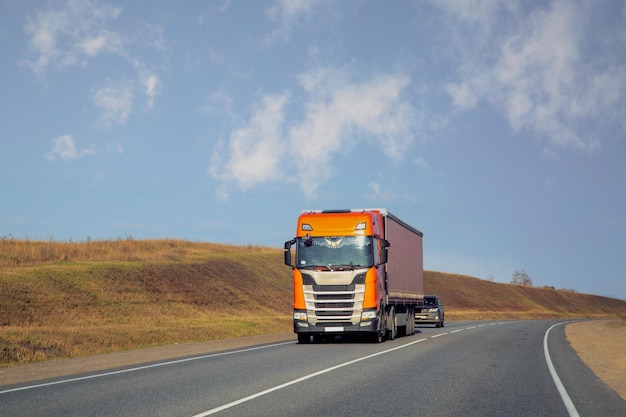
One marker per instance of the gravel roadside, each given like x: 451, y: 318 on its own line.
x: 601, y: 345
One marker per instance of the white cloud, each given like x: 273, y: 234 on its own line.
x: 76, y: 32
x: 91, y: 46
x: 253, y: 150
x: 287, y: 13
x: 67, y: 36
x: 462, y: 95
x: 115, y: 103
x: 152, y: 86
x: 477, y: 11
x: 212, y: 11
x: 337, y: 114
x: 550, y: 70
x: 64, y: 148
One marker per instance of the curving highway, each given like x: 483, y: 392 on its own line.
x: 497, y: 368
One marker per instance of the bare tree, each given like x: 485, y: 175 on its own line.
x: 521, y: 278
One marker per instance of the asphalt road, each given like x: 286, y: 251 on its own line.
x: 465, y: 369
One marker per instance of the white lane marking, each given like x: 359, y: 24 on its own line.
x: 571, y: 409
x: 304, y: 378
x: 456, y: 331
x: 438, y: 335
x: 154, y: 365
x: 473, y: 327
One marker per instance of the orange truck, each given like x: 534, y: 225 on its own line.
x: 355, y: 272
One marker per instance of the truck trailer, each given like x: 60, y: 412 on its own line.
x: 355, y: 272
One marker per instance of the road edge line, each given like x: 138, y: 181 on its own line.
x: 567, y: 401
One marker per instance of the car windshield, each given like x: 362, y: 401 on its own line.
x: 335, y: 253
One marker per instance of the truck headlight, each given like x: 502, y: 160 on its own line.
x: 367, y: 315
x: 299, y: 316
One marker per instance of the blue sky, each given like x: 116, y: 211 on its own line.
x: 497, y: 128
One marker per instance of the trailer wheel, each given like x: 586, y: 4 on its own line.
x: 304, y: 338
x: 410, y: 323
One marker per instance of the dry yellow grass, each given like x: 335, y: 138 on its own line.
x: 602, y: 347
x: 17, y: 252
x: 67, y: 299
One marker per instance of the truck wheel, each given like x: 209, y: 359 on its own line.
x: 381, y: 331
x: 304, y: 338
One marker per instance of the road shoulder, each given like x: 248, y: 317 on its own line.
x: 601, y: 344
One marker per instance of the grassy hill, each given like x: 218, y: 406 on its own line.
x: 468, y: 298
x: 61, y: 299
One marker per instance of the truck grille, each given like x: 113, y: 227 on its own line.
x: 335, y: 288
x: 335, y: 314
x: 322, y: 297
x: 334, y: 303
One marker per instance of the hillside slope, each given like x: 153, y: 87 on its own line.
x: 61, y: 300
x: 472, y: 298
x: 76, y: 308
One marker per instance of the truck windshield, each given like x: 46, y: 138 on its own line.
x: 335, y: 253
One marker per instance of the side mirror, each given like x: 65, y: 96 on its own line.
x: 383, y: 253
x: 287, y: 252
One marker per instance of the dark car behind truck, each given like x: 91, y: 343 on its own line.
x: 431, y: 312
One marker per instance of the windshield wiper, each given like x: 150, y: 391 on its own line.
x: 332, y: 267
x: 343, y: 267
x: 318, y: 267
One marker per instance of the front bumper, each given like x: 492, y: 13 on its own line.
x: 370, y: 326
x: 427, y: 318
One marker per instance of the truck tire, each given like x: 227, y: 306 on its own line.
x: 381, y: 332
x: 304, y: 338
